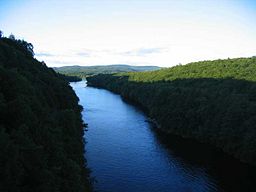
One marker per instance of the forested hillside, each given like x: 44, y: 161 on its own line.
x: 41, y: 130
x: 212, y: 101
x: 84, y: 71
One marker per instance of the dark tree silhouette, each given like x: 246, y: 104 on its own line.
x: 12, y: 37
x: 41, y: 129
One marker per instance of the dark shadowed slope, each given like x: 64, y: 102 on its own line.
x: 41, y: 143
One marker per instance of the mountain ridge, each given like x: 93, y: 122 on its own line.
x: 83, y: 71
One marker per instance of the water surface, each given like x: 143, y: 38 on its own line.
x: 125, y: 155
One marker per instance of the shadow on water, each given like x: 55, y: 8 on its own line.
x: 231, y: 174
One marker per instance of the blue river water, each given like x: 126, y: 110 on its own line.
x: 125, y: 154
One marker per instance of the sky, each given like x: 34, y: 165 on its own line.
x: 136, y: 32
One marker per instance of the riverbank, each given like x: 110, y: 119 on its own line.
x: 216, y: 111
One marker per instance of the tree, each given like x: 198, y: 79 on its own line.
x: 28, y: 46
x: 1, y: 34
x: 12, y: 37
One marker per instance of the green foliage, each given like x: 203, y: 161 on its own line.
x: 239, y: 68
x: 84, y: 71
x: 41, y: 129
x: 212, y: 101
x: 70, y: 78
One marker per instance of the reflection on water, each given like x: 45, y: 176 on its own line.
x: 125, y: 155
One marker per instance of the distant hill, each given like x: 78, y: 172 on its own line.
x: 83, y: 71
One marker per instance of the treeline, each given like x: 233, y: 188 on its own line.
x: 41, y: 129
x: 212, y: 101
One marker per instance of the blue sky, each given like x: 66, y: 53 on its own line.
x: 136, y: 32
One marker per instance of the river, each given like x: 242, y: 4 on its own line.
x: 125, y: 154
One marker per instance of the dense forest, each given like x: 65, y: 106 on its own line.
x: 41, y: 129
x: 211, y: 101
x: 84, y: 71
